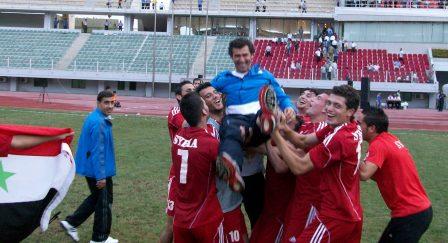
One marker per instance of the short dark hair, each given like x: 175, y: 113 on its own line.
x: 200, y: 79
x: 312, y: 91
x: 180, y: 85
x: 376, y: 116
x: 203, y: 86
x: 191, y: 108
x: 240, y: 43
x: 104, y: 94
x: 349, y: 93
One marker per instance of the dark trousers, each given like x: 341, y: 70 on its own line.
x: 253, y: 196
x: 407, y: 229
x: 232, y: 142
x: 99, y: 202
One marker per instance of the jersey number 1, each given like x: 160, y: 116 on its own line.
x: 183, y: 165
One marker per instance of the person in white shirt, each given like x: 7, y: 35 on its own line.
x: 268, y: 50
x: 401, y: 55
x: 318, y: 54
x: 354, y: 45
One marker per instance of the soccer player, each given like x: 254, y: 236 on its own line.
x: 242, y: 87
x: 336, y: 154
x: 175, y: 122
x: 303, y: 103
x: 306, y: 200
x: 234, y: 225
x: 198, y: 215
x: 175, y: 119
x: 390, y: 164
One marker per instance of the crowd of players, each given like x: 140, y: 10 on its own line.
x: 310, y: 188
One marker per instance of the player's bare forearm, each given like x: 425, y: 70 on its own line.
x: 297, y: 164
x: 275, y: 159
x: 28, y: 141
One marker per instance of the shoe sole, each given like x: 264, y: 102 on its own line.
x: 233, y: 178
x: 268, y: 104
x: 66, y: 232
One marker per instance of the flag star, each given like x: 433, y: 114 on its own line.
x: 3, y: 176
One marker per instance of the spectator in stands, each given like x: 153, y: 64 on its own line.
x: 401, y: 55
x: 318, y: 55
x: 106, y: 24
x: 289, y: 36
x: 334, y: 66
x: 55, y: 22
x: 264, y: 6
x: 267, y: 51
x: 161, y: 5
x: 296, y: 46
x: 321, y: 42
x: 293, y: 66
x: 334, y: 42
x: 345, y: 46
x: 414, y: 77
x: 298, y: 65
x: 329, y: 71
x: 304, y: 7
x: 120, y: 26
x: 354, y: 46
x: 330, y: 31
x: 84, y: 25
x: 378, y: 100
x: 440, y: 101
x: 288, y: 48
x: 323, y: 72
x: 301, y: 33
x: 257, y: 5
x: 119, y: 3
x: 335, y: 55
x: 65, y: 23
x: 109, y: 4
x: 397, y: 64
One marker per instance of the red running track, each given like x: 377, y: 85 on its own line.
x: 411, y: 119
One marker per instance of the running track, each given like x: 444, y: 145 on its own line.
x: 411, y: 119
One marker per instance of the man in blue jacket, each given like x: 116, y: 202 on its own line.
x: 95, y: 159
x: 241, y: 88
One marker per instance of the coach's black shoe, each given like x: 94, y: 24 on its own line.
x: 228, y: 170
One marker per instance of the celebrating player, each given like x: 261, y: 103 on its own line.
x: 198, y: 216
x: 391, y: 165
x: 336, y: 154
x: 175, y: 122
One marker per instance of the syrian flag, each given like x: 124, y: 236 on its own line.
x: 33, y: 182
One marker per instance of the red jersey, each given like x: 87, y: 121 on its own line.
x: 194, y: 152
x: 397, y: 176
x: 175, y: 121
x: 278, y: 190
x: 5, y: 144
x: 307, y: 185
x: 338, y: 157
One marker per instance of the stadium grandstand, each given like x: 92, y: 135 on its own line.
x: 65, y: 46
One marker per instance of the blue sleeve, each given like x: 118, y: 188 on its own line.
x: 218, y: 83
x: 283, y: 99
x: 97, y: 136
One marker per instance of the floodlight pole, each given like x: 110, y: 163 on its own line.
x: 205, y: 49
x: 154, y: 50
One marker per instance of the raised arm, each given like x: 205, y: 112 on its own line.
x: 28, y: 141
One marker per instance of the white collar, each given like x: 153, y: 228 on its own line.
x: 238, y: 74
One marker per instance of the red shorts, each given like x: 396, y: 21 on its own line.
x: 299, y: 216
x: 327, y: 229
x: 234, y: 226
x: 208, y: 233
x: 267, y: 229
x: 171, y: 194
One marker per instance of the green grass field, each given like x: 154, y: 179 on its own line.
x: 142, y: 153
